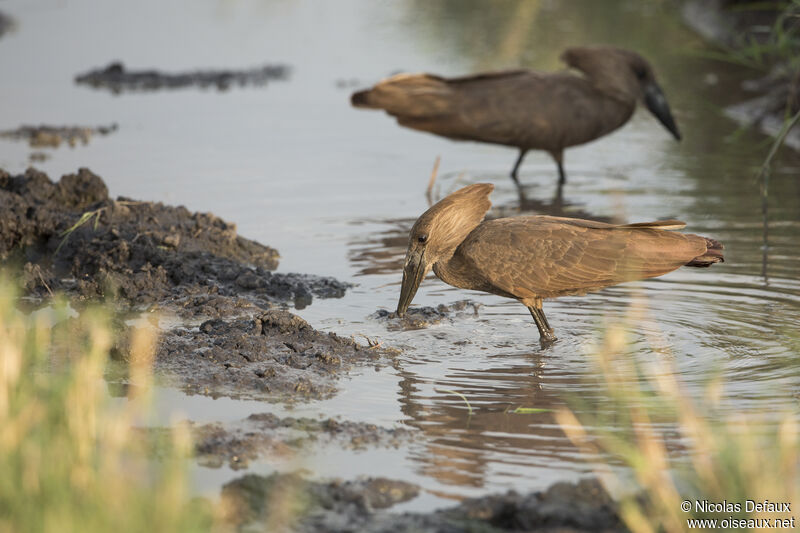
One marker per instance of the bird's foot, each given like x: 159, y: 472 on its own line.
x: 547, y: 338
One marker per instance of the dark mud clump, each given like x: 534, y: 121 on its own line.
x: 6, y: 24
x: 359, y: 506
x: 423, y: 317
x: 55, y: 136
x: 70, y: 236
x: 266, y: 434
x: 287, y: 502
x: 116, y: 78
x: 273, y: 355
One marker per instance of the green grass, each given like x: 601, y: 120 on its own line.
x: 781, y: 45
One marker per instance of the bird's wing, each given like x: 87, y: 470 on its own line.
x: 484, y: 76
x: 546, y: 111
x: 542, y: 256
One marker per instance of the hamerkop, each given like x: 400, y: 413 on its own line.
x: 525, y: 109
x: 530, y: 258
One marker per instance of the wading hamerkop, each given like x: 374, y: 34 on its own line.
x: 531, y: 258
x: 528, y: 110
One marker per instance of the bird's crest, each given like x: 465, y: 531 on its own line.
x: 448, y: 222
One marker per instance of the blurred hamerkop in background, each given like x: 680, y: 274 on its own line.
x: 528, y: 110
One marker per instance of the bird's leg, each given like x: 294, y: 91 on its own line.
x: 559, y: 159
x: 558, y: 199
x: 515, y: 170
x: 544, y: 319
x: 545, y: 331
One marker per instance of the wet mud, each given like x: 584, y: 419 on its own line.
x: 117, y: 79
x: 237, y: 340
x: 360, y: 506
x: 426, y: 316
x: 54, y: 136
x: 265, y: 434
x: 273, y: 355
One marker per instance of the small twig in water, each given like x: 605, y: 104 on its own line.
x: 372, y: 343
x: 432, y: 180
x: 46, y: 286
x: 459, y: 395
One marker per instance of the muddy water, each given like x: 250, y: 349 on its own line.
x: 335, y: 190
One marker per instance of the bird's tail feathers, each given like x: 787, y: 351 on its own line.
x: 411, y: 95
x: 658, y: 224
x: 713, y: 254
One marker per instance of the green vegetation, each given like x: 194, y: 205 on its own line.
x: 764, y: 46
x: 680, y: 448
x: 71, y: 457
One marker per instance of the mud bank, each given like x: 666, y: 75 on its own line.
x: 358, y: 506
x: 265, y: 434
x: 71, y: 237
x: 116, y: 78
x: 54, y: 136
x: 724, y: 23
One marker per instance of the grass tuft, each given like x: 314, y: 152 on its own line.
x: 70, y: 456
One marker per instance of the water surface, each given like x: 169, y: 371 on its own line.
x: 336, y: 189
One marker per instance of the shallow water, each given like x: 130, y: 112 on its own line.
x: 336, y: 189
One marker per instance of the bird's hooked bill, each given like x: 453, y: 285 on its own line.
x: 413, y: 272
x: 656, y: 102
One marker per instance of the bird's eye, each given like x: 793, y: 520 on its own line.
x: 422, y: 238
x: 640, y: 72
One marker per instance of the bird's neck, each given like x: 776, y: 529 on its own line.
x: 454, y: 272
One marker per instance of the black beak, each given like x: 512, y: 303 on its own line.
x: 656, y: 102
x: 413, y: 273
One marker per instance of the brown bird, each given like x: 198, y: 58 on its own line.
x: 525, y: 109
x: 530, y: 258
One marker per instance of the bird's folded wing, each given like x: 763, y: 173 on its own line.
x: 544, y: 257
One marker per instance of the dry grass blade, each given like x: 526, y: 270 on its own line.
x: 529, y: 410
x: 85, y: 217
x: 449, y: 391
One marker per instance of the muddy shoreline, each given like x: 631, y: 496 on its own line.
x: 235, y: 335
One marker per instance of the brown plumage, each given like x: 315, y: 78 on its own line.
x: 530, y: 258
x: 525, y: 109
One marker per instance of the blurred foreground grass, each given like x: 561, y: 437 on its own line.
x: 70, y: 457
x: 677, y: 447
